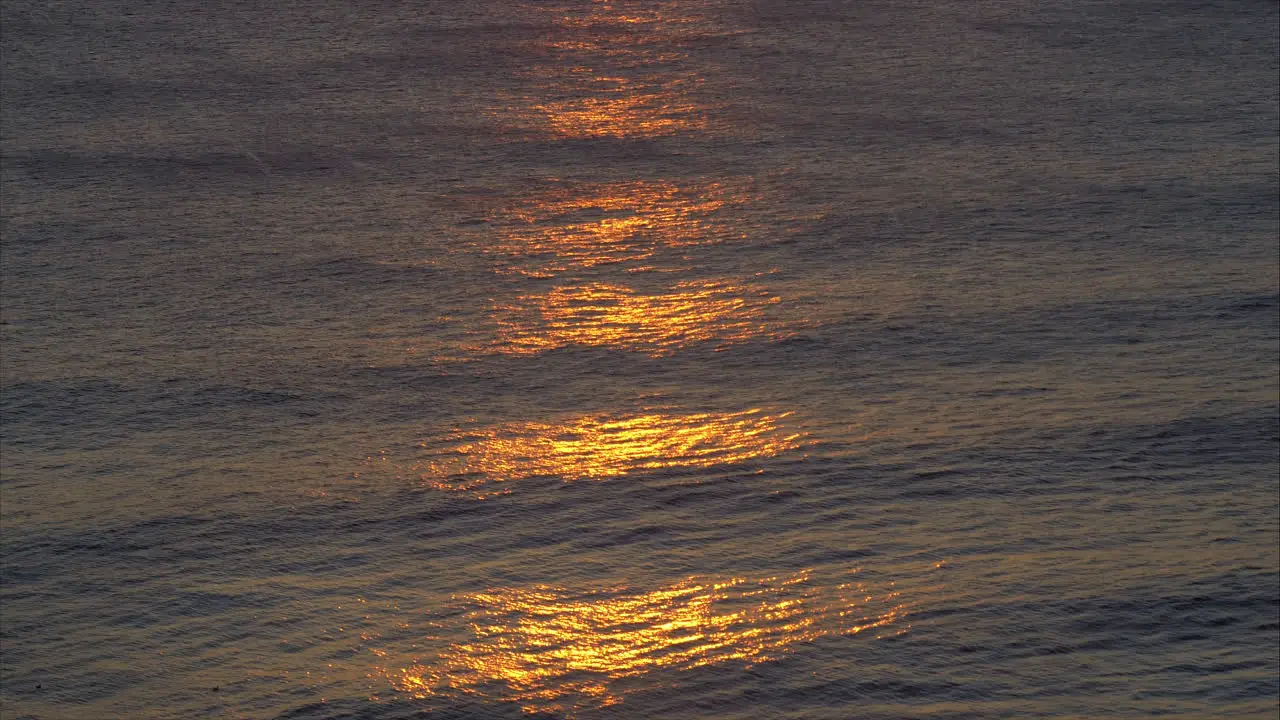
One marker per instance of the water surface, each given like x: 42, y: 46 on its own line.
x: 640, y: 359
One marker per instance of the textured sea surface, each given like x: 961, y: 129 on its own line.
x: 640, y: 359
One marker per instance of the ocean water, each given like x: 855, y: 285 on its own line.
x: 640, y: 359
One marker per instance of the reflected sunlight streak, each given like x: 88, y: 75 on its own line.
x: 616, y: 74
x: 573, y: 226
x: 617, y: 317
x: 626, y: 110
x: 600, y: 448
x: 552, y: 649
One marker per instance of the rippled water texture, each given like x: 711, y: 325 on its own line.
x: 640, y: 359
x: 546, y: 648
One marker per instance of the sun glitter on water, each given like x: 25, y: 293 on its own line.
x: 604, y: 447
x: 575, y: 226
x: 654, y: 97
x: 622, y: 110
x: 621, y: 318
x: 552, y: 649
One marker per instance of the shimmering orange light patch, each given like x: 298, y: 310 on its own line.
x: 600, y: 447
x: 661, y: 17
x: 625, y: 111
x: 554, y: 650
x: 618, y: 317
x: 582, y: 227
x: 617, y: 72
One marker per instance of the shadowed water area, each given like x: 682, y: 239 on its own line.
x: 640, y: 359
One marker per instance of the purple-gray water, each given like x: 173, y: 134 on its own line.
x: 640, y: 359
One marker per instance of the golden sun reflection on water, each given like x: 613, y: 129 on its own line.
x: 600, y: 448
x: 585, y: 226
x: 658, y: 16
x: 616, y: 73
x: 625, y: 109
x: 551, y: 649
x: 618, y: 317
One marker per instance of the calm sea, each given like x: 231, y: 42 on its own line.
x: 640, y: 359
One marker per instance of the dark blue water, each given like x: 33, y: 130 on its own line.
x: 640, y: 359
